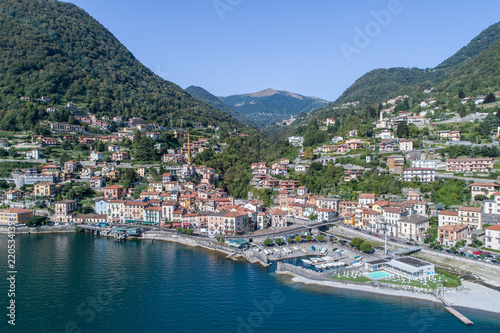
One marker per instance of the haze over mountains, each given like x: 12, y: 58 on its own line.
x: 270, y: 105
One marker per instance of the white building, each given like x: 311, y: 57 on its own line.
x: 33, y: 154
x: 423, y: 175
x: 385, y: 135
x: 296, y: 140
x: 96, y: 156
x: 405, y: 144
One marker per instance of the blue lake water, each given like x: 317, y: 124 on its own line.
x: 83, y: 283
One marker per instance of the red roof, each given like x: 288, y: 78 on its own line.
x: 114, y: 187
x: 494, y: 227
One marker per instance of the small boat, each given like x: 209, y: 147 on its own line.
x: 305, y: 261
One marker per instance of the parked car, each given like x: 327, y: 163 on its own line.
x: 471, y: 256
x: 494, y: 261
x: 477, y: 252
x: 462, y: 254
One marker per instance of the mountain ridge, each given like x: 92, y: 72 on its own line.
x: 58, y: 50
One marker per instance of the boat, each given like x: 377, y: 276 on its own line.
x: 305, y: 261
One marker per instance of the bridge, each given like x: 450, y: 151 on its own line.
x: 288, y: 230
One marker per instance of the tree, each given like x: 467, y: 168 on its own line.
x: 309, y: 153
x: 309, y: 238
x: 289, y: 240
x: 64, y: 158
x: 178, y: 229
x: 144, y: 149
x: 479, y: 197
x: 490, y: 98
x: 267, y: 242
x: 320, y: 238
x: 366, y: 247
x: 356, y: 242
x: 278, y: 241
x: 402, y: 130
x: 297, y: 239
x: 313, y: 217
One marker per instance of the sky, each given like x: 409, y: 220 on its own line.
x: 310, y: 47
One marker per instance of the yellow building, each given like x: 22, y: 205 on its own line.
x: 15, y: 215
x: 349, y: 218
x: 44, y: 189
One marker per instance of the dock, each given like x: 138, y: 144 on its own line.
x: 455, y: 313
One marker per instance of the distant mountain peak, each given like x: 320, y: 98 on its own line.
x: 270, y: 91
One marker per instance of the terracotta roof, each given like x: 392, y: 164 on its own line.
x: 470, y: 209
x: 494, y: 227
x: 448, y: 213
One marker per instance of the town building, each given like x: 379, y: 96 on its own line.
x: 405, y: 144
x: 449, y: 235
x: 278, y: 218
x: 44, y: 189
x: 15, y: 216
x: 472, y: 216
x: 97, y: 182
x: 114, y: 192
x: 469, y: 164
x: 396, y: 163
x: 423, y: 175
x: 485, y: 189
x: 63, y: 210
x: 413, y: 227
x: 492, y: 237
x: 447, y: 218
x: 33, y: 154
x: 96, y: 156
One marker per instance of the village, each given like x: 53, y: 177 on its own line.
x: 99, y: 182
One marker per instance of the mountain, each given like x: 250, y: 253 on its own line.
x: 480, y: 75
x: 270, y: 105
x: 216, y: 103
x: 381, y: 84
x: 55, y: 49
x: 478, y: 44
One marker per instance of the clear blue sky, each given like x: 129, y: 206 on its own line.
x: 249, y: 45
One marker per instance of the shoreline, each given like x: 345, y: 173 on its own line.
x: 472, y: 298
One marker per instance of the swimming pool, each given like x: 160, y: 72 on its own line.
x: 378, y: 275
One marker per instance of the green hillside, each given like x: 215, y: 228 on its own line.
x: 55, y: 49
x: 478, y: 76
x: 477, y: 45
x: 382, y: 84
x: 216, y: 103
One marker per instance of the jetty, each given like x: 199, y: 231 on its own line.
x: 455, y: 313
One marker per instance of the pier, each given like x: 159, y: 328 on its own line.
x: 455, y: 313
